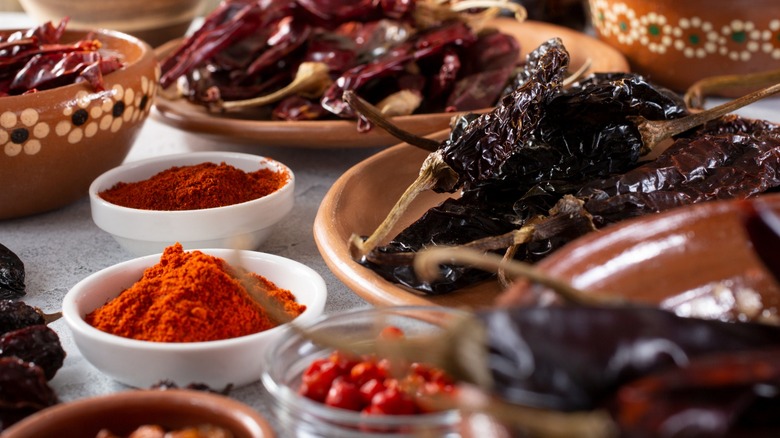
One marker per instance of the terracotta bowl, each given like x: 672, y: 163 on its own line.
x: 124, y: 412
x: 676, y: 43
x: 155, y: 22
x: 695, y: 261
x: 72, y: 133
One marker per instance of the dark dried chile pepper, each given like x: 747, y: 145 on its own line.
x: 36, y: 344
x: 11, y: 274
x: 15, y: 315
x: 23, y: 390
x: 543, y: 356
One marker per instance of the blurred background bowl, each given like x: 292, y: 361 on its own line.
x: 236, y: 361
x: 48, y: 155
x: 675, y: 43
x: 240, y: 226
x: 695, y: 261
x: 155, y: 22
x: 124, y: 412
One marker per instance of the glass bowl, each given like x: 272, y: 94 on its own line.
x: 291, y: 354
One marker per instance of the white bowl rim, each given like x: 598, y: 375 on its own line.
x: 175, y: 160
x: 76, y: 322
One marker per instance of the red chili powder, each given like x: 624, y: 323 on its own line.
x: 195, y: 187
x: 194, y: 297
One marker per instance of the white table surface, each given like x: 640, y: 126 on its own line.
x: 64, y: 246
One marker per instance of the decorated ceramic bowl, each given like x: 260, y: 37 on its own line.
x: 676, y: 43
x: 53, y: 143
x: 219, y: 363
x: 244, y: 225
x: 124, y: 412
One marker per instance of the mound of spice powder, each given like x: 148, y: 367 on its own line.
x: 205, y: 185
x: 193, y: 297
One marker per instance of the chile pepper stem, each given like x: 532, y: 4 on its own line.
x: 433, y: 173
x: 49, y: 318
x: 311, y: 79
x: 375, y: 116
x: 427, y: 263
x: 656, y: 131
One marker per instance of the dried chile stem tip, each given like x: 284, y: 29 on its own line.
x: 311, y: 80
x: 656, y: 131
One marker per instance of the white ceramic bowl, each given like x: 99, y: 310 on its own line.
x: 236, y: 361
x: 241, y: 226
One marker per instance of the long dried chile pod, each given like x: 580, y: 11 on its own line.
x: 547, y: 357
x: 736, y: 393
x: 708, y: 167
x: 488, y: 141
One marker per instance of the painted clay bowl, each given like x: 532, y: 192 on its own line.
x: 53, y: 143
x: 676, y: 43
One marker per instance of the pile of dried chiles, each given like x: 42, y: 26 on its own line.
x: 553, y: 162
x: 38, y: 59
x: 293, y: 59
x: 30, y: 351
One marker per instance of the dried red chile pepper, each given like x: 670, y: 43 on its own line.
x: 36, y: 60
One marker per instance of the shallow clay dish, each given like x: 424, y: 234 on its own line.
x: 674, y: 259
x: 343, y: 133
x: 53, y: 143
x: 676, y: 43
x: 123, y: 412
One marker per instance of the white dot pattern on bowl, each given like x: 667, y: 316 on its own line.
x: 739, y: 40
x: 85, y: 118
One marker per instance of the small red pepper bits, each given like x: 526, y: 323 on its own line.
x: 366, y: 384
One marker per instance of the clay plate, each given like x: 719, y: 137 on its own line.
x: 342, y: 133
x: 651, y: 259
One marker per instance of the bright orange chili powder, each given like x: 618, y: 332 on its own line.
x: 192, y: 297
x: 205, y: 185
